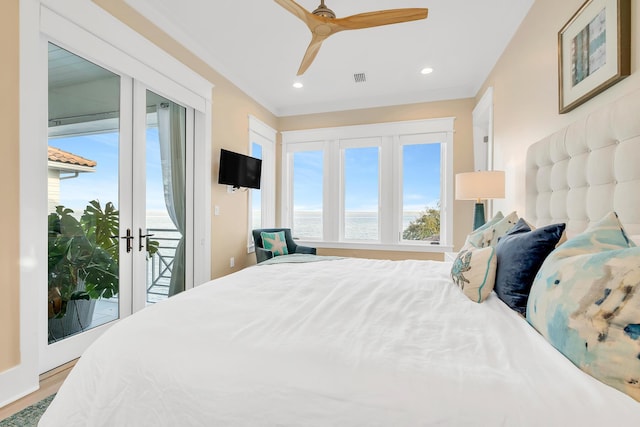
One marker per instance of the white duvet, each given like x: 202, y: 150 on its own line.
x: 347, y: 342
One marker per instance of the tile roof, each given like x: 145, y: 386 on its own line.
x: 61, y: 156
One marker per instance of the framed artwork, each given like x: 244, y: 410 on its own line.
x: 594, y: 51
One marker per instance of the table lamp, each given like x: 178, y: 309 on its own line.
x: 478, y: 186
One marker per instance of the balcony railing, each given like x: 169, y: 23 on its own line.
x: 160, y: 265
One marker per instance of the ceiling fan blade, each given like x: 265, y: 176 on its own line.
x: 295, y: 9
x: 322, y: 26
x: 311, y: 53
x: 381, y: 17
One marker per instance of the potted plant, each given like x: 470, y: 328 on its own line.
x: 83, y: 265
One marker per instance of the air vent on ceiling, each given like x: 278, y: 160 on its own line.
x: 359, y: 78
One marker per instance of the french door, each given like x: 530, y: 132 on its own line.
x: 120, y: 205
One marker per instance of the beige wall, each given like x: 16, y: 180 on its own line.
x: 462, y: 155
x: 9, y: 178
x: 525, y: 82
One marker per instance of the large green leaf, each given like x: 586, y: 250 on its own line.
x: 83, y: 255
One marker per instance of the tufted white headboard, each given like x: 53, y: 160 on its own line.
x: 587, y: 169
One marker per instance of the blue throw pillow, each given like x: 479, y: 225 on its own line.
x: 520, y: 254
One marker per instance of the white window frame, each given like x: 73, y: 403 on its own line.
x: 265, y: 136
x: 390, y: 137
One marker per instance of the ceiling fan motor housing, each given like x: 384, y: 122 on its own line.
x: 324, y: 11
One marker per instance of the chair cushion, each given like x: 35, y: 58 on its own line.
x: 275, y: 242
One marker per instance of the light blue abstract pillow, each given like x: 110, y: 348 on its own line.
x: 585, y: 300
x: 275, y: 242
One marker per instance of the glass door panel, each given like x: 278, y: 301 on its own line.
x: 120, y: 196
x: 165, y: 195
x: 83, y: 215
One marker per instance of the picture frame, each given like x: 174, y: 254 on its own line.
x: 594, y: 51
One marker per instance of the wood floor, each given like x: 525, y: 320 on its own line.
x: 50, y: 382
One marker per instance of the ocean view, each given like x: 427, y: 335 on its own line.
x: 358, y: 225
x: 307, y: 224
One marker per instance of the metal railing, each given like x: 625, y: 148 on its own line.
x: 160, y: 265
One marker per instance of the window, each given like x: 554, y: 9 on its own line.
x: 380, y: 186
x: 307, y: 194
x: 421, y: 191
x: 361, y: 212
x: 262, y: 205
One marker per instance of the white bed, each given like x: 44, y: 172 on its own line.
x: 355, y: 342
x: 347, y: 342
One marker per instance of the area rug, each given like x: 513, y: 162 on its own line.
x: 29, y: 416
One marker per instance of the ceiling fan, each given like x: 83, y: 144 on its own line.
x: 323, y: 22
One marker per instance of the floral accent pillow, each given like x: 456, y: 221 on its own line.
x: 474, y: 271
x: 275, y: 242
x: 585, y: 301
x: 488, y: 235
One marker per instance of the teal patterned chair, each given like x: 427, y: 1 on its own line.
x: 263, y: 254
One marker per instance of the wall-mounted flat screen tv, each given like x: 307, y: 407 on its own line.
x: 239, y: 170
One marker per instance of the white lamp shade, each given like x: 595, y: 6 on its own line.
x: 480, y: 185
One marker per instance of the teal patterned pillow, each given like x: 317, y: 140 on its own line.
x: 585, y: 301
x: 474, y: 271
x: 488, y: 235
x: 474, y: 237
x: 275, y: 242
x: 493, y: 221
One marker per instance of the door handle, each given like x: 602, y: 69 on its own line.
x: 128, y: 238
x: 140, y: 237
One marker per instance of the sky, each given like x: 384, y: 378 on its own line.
x: 103, y: 183
x: 421, y: 178
x: 421, y: 170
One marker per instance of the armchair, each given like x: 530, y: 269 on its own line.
x: 263, y: 254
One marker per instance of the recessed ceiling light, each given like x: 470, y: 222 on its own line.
x: 298, y: 85
x: 426, y: 70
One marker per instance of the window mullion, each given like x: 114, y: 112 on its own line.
x: 332, y: 191
x: 388, y: 192
x: 446, y: 182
